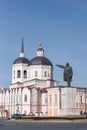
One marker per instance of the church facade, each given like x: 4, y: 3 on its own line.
x: 34, y: 91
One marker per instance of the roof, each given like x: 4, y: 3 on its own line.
x: 40, y: 60
x: 21, y: 60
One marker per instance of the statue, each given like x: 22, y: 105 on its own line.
x: 68, y: 73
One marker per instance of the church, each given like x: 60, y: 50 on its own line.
x: 34, y: 91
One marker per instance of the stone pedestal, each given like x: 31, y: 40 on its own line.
x: 69, y: 105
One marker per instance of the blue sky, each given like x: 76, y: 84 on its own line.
x: 61, y: 25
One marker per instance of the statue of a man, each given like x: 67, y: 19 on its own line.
x: 68, y: 73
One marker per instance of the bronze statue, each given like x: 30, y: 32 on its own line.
x: 68, y: 73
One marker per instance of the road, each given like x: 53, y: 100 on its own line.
x: 18, y: 125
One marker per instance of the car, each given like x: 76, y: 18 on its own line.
x: 30, y: 114
x: 23, y: 115
x: 85, y: 113
x: 15, y: 116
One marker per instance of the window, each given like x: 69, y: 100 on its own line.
x: 50, y: 98
x: 18, y: 74
x: 25, y: 97
x: 14, y: 75
x: 36, y: 73
x: 45, y: 73
x: 25, y: 74
x: 81, y: 99
x: 55, y: 98
x: 45, y: 100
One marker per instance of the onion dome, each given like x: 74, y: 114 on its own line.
x: 40, y: 59
x: 21, y: 60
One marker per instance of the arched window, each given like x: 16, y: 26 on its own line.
x: 55, y: 98
x: 25, y: 98
x: 14, y: 75
x: 18, y: 74
x: 45, y: 73
x: 36, y: 73
x: 81, y: 99
x: 25, y: 74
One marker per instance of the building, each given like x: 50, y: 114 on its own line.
x: 34, y: 91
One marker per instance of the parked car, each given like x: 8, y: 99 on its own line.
x: 23, y: 115
x: 85, y: 113
x: 30, y: 114
x: 14, y: 116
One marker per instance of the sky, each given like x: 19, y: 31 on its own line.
x: 61, y: 26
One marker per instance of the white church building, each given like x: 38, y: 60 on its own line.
x: 34, y: 91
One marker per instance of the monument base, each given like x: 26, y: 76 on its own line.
x: 69, y: 105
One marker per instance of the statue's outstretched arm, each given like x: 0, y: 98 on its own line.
x: 61, y: 66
